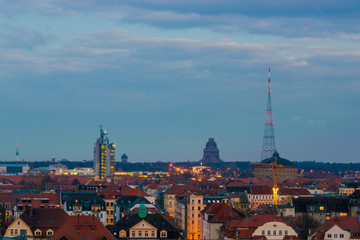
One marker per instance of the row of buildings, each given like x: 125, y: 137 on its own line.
x: 175, y: 207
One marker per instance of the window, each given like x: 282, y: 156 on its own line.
x: 122, y: 233
x: 153, y: 233
x: 263, y: 232
x: 37, y: 233
x: 11, y: 231
x: 274, y: 232
x: 199, y: 201
x: 335, y: 235
x: 269, y: 232
x: 286, y: 232
x: 133, y: 233
x: 329, y: 235
x: 341, y: 235
x: 321, y: 208
x: 140, y: 234
x: 146, y: 233
x: 23, y: 232
x: 49, y: 233
x: 280, y: 232
x: 163, y: 234
x: 16, y: 232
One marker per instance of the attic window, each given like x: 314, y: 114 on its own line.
x: 163, y: 234
x: 122, y: 233
x: 49, y: 233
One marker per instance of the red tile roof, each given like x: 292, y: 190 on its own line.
x: 350, y: 224
x: 221, y: 212
x: 179, y: 189
x: 44, y: 219
x: 294, y: 192
x: 128, y: 191
x: 261, y: 190
x: 80, y: 227
x: 249, y: 225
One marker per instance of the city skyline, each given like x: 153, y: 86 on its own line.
x: 164, y: 77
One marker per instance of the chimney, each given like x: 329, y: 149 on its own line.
x: 78, y: 223
x: 31, y: 211
x: 93, y: 222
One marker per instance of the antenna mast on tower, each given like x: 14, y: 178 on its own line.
x: 268, y: 147
x: 17, y: 150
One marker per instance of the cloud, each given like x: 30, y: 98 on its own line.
x: 17, y: 37
x: 316, y: 122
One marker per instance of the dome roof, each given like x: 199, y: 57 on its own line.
x: 281, y: 161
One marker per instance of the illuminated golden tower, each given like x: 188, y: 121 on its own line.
x: 104, y: 156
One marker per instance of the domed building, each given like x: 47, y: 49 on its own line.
x: 288, y: 171
x: 211, y: 152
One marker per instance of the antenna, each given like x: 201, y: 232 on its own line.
x: 268, y: 147
x: 17, y: 150
x: 269, y: 82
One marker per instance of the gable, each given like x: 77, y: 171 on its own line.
x: 143, y: 225
x: 335, y: 229
x: 18, y: 224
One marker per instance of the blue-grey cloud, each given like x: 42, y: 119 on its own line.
x: 16, y: 37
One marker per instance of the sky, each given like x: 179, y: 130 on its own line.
x: 163, y: 76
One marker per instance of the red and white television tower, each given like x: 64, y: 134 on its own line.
x: 268, y: 147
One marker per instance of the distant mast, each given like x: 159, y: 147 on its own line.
x: 268, y: 147
x: 17, y: 150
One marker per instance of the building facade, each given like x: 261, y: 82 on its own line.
x: 104, y: 156
x: 287, y: 171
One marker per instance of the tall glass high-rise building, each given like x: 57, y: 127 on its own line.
x: 104, y: 156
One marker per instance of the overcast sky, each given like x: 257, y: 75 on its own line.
x: 164, y: 76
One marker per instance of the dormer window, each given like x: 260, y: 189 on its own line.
x: 122, y: 233
x: 95, y: 208
x: 49, y: 232
x: 163, y: 234
x: 38, y: 232
x: 77, y: 208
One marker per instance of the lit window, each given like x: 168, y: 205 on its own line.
x: 321, y: 207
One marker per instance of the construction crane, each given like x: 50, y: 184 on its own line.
x: 274, y: 166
